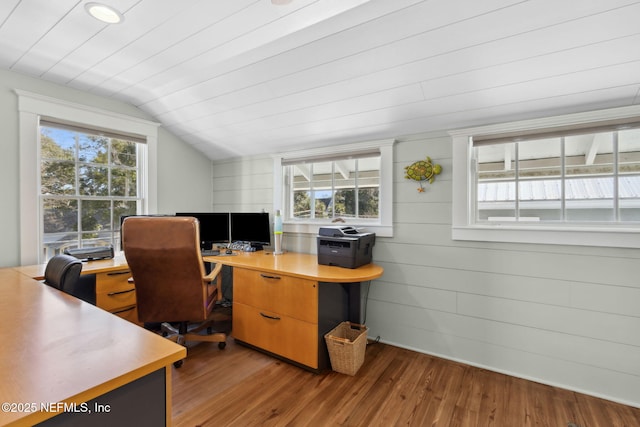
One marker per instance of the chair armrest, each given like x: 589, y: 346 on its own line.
x: 213, y: 294
x: 213, y: 275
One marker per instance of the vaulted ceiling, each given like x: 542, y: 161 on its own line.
x: 243, y: 77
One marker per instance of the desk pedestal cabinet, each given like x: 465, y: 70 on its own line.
x: 115, y: 294
x: 109, y: 278
x: 287, y: 316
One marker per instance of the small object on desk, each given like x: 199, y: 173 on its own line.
x: 90, y: 254
x: 277, y: 233
x: 225, y: 252
x: 271, y: 252
x: 210, y: 252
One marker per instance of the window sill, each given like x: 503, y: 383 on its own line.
x: 560, y: 235
x: 313, y: 227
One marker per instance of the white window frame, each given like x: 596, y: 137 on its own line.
x: 464, y: 226
x: 31, y: 107
x: 383, y: 227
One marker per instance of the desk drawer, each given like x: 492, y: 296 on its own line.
x: 113, y: 281
x: 285, y: 295
x: 290, y: 338
x: 112, y: 301
x: 127, y: 313
x: 114, y: 291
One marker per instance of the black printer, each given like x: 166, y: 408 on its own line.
x: 343, y: 246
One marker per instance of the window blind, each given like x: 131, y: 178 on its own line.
x: 556, y: 132
x: 331, y: 157
x: 59, y: 124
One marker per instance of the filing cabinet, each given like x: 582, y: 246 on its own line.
x: 282, y: 315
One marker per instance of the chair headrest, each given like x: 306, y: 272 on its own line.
x: 59, y: 267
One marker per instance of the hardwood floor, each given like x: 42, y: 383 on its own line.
x: 238, y: 386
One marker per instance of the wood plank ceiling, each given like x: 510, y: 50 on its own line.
x: 243, y: 77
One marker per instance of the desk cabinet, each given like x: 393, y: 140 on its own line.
x: 114, y: 293
x: 284, y: 316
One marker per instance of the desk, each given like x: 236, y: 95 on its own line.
x: 58, y: 349
x: 282, y: 304
x: 110, y: 278
x: 118, y: 263
x: 285, y: 304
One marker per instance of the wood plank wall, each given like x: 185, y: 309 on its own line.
x: 567, y: 316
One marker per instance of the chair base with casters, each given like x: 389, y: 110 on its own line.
x: 191, y: 332
x: 181, y: 332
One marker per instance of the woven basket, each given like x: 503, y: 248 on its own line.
x: 347, y: 343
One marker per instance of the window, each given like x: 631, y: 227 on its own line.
x: 88, y: 180
x: 351, y: 184
x: 579, y: 177
x: 98, y: 168
x: 347, y: 188
x: 570, y: 180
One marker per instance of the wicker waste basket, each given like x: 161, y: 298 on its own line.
x: 347, y: 343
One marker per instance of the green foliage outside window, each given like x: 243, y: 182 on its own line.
x: 87, y: 182
x: 339, y: 189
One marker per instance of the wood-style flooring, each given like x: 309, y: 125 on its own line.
x: 238, y: 386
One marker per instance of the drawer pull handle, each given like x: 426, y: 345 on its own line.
x: 269, y: 317
x: 118, y: 273
x: 267, y: 276
x: 121, y: 292
x: 123, y: 310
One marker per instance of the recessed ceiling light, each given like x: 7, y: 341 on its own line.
x: 104, y: 13
x: 281, y: 2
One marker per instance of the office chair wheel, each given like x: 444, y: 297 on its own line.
x: 178, y: 363
x: 222, y: 345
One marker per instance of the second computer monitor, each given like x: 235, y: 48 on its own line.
x: 214, y: 227
x: 251, y: 227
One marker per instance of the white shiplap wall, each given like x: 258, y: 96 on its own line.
x: 243, y: 184
x: 562, y: 315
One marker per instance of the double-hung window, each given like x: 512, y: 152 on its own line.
x: 81, y: 169
x: 568, y: 180
x: 349, y: 185
x: 88, y: 181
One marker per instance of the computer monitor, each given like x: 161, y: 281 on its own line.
x: 252, y: 227
x: 214, y: 227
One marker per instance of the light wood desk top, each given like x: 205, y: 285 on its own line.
x: 100, y: 266
x: 298, y: 265
x: 57, y: 348
x: 290, y: 263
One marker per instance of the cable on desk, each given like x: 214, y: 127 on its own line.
x: 366, y: 300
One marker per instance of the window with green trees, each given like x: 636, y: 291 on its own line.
x: 343, y: 188
x: 350, y: 184
x: 88, y: 180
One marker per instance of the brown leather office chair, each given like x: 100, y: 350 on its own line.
x: 164, y: 256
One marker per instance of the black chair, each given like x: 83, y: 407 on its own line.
x: 63, y: 273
